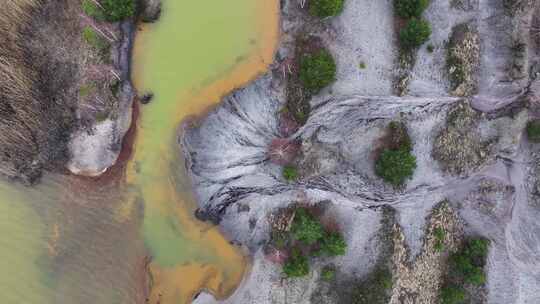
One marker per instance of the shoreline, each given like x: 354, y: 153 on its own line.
x: 96, y: 152
x: 245, y: 186
x: 125, y: 57
x: 195, y: 108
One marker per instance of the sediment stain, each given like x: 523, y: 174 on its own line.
x: 197, y: 52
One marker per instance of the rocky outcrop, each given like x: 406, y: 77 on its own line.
x: 96, y: 147
x: 71, y: 95
x: 150, y: 10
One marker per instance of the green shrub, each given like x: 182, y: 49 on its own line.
x: 95, y: 40
x: 452, y: 295
x: 306, y: 238
x: 86, y: 89
x: 477, y: 248
x: 317, y: 71
x: 455, y: 62
x: 414, y: 34
x: 430, y: 48
x: 118, y: 10
x: 296, y: 266
x: 91, y: 9
x: 533, y: 130
x: 362, y: 65
x: 306, y: 228
x: 102, y: 116
x: 325, y: 8
x: 476, y: 276
x: 333, y: 244
x: 375, y: 289
x: 462, y: 263
x: 395, y: 166
x: 279, y: 239
x: 468, y: 264
x: 290, y: 173
x: 439, y: 234
x: 410, y: 8
x: 115, y: 87
x: 328, y: 273
x: 299, y: 108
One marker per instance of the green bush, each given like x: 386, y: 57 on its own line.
x: 95, y: 40
x: 414, y: 34
x: 375, y: 289
x: 296, y: 266
x: 455, y: 63
x: 533, y: 130
x: 307, y: 238
x: 118, y: 10
x: 395, y: 166
x: 476, y: 276
x: 452, y: 295
x: 86, y: 89
x: 91, y: 9
x: 317, y: 71
x: 306, y: 228
x: 333, y: 244
x: 328, y: 273
x: 410, y: 8
x: 290, y: 173
x: 279, y: 239
x: 439, y: 234
x: 102, y: 116
x: 325, y: 8
x: 468, y: 264
x: 115, y: 88
x: 477, y: 248
x: 299, y: 108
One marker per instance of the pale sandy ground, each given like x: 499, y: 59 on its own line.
x: 428, y: 76
x: 347, y: 120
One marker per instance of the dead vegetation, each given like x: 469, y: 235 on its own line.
x: 34, y: 118
x: 298, y: 97
x: 419, y: 281
x: 58, y: 73
x: 459, y: 148
x: 462, y: 59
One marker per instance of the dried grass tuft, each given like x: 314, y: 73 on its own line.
x: 29, y: 131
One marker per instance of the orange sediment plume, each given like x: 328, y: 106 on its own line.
x: 224, y: 265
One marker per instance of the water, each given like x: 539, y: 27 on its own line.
x: 198, y: 51
x: 22, y: 230
x: 67, y: 241
x: 74, y: 240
